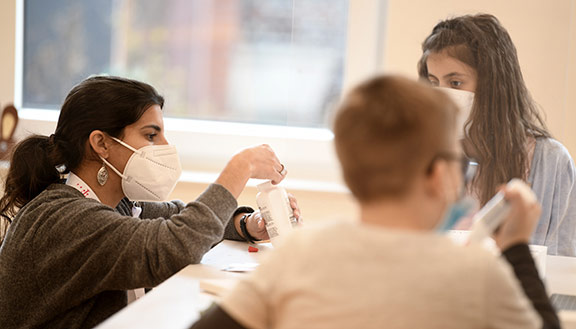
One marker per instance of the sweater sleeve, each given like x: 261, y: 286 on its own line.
x: 98, y: 249
x: 525, y: 269
x: 230, y: 232
x: 167, y: 209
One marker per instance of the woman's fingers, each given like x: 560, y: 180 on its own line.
x: 295, y: 208
x: 264, y: 164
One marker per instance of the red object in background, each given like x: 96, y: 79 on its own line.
x: 252, y: 249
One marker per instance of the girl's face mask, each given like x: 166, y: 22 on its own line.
x: 151, y: 173
x: 465, y: 100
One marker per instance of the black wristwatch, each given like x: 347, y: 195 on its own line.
x: 247, y: 235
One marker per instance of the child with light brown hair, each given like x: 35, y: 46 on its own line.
x: 397, y: 143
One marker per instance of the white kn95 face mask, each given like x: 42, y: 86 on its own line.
x: 465, y: 100
x: 151, y: 173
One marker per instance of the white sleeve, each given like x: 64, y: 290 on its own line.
x: 506, y: 304
x: 247, y: 303
x: 252, y: 301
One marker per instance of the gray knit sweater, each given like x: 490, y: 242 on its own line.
x: 68, y: 260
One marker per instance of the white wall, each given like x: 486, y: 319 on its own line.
x: 7, y: 46
x: 543, y: 31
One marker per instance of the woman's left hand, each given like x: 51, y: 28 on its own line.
x: 256, y: 225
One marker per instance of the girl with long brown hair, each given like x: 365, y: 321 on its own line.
x: 503, y: 131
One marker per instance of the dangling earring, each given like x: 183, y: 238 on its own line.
x: 102, y: 176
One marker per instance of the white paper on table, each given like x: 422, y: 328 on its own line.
x: 240, y: 267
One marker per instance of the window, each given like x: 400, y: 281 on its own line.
x: 265, y: 81
x: 275, y: 62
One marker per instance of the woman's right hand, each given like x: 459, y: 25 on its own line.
x: 520, y: 222
x: 254, y: 162
x: 262, y: 162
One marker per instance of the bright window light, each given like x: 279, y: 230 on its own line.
x: 235, y: 73
x: 277, y: 62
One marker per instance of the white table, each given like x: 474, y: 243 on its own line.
x: 178, y: 301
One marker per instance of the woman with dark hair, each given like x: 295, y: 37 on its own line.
x: 76, y: 246
x: 473, y: 58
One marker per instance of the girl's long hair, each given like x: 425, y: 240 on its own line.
x: 503, y: 116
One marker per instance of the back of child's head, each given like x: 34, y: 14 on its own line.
x: 387, y: 131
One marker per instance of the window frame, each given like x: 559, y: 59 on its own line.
x: 307, y: 152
